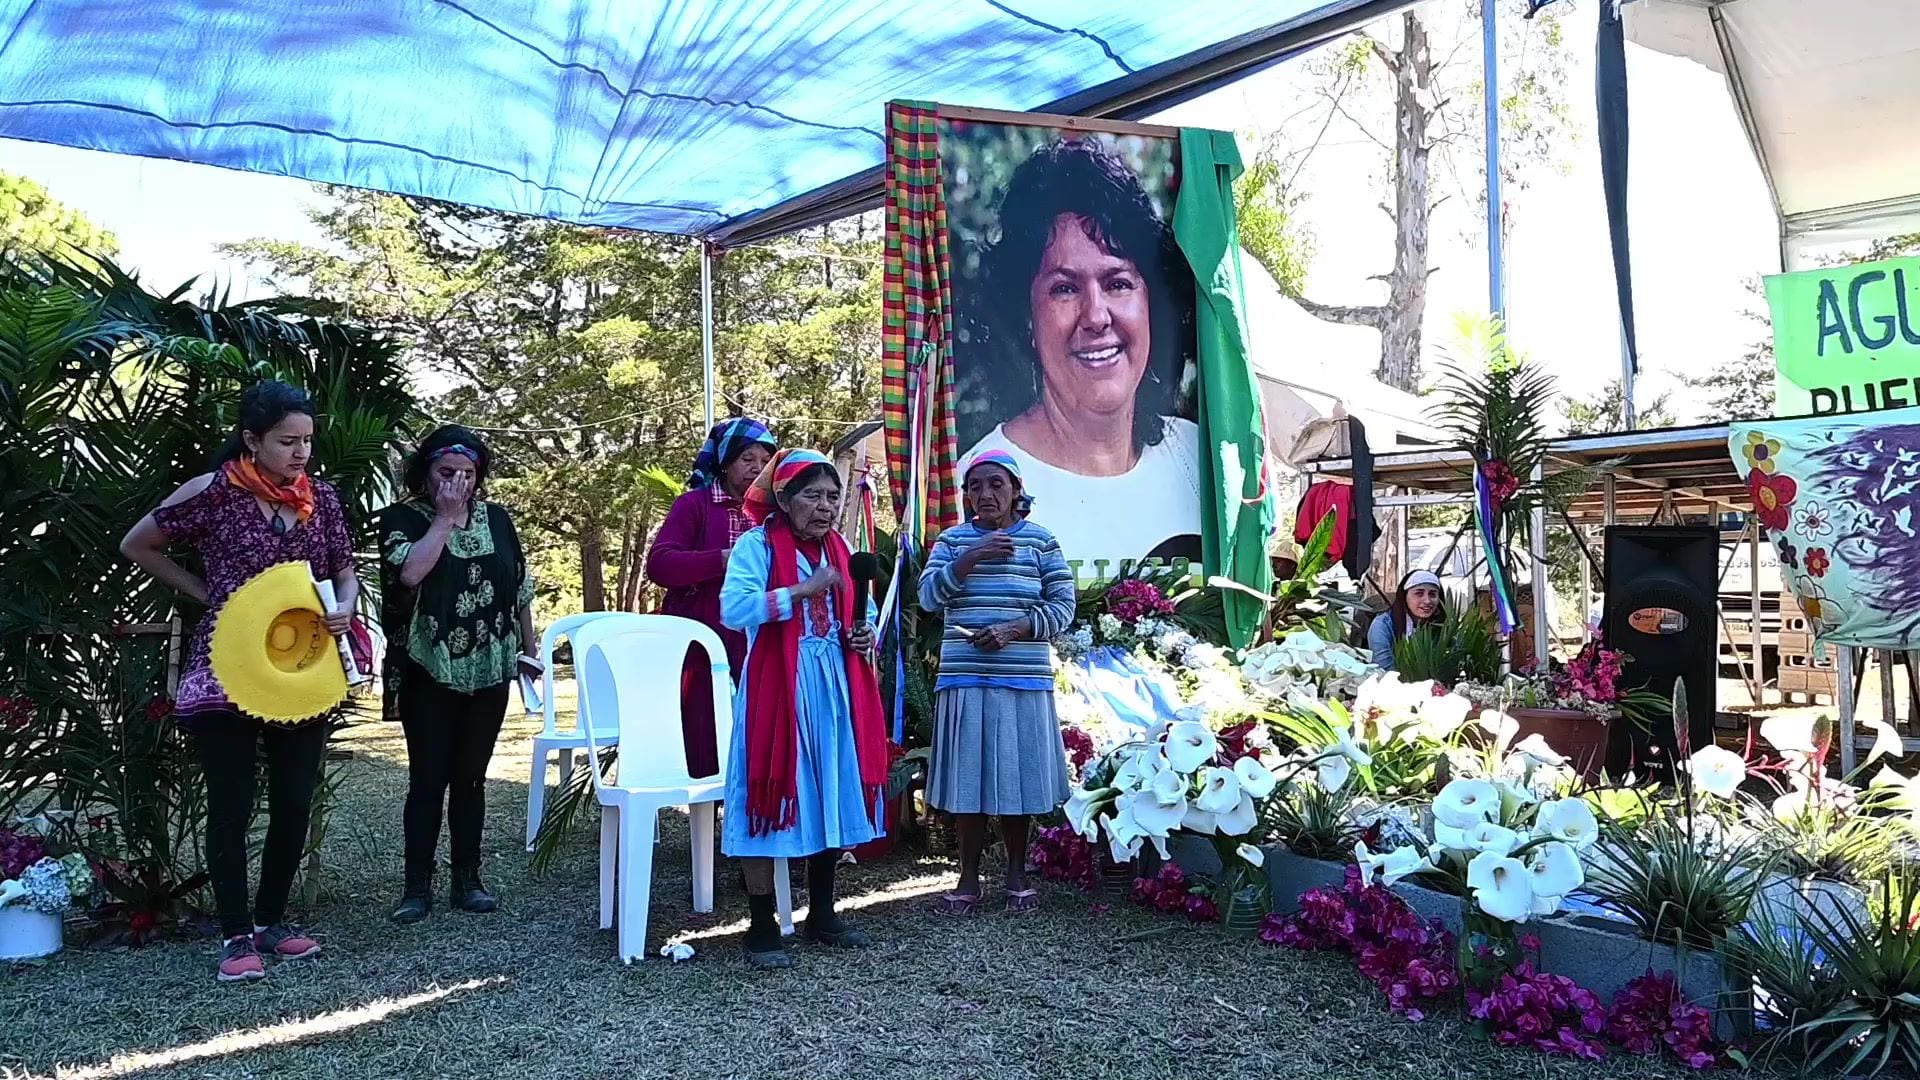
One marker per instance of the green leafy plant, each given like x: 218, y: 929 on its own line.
x: 1674, y: 887
x: 1310, y: 820
x: 1876, y: 957
x: 1795, y: 985
x: 110, y: 398
x: 1462, y: 648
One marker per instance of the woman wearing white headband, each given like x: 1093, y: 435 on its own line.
x: 1415, y: 604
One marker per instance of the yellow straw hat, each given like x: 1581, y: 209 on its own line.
x: 271, y: 650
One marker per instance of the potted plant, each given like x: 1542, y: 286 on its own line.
x: 37, y: 887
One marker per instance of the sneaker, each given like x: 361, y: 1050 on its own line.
x: 240, y: 961
x: 284, y: 941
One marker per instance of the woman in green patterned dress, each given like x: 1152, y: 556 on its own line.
x: 456, y: 605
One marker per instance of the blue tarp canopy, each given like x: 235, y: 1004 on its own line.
x: 731, y: 119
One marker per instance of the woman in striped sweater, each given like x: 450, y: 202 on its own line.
x: 1006, y: 590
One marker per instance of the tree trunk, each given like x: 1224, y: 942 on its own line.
x: 593, y: 565
x: 1416, y: 100
x: 1415, y: 97
x: 629, y: 566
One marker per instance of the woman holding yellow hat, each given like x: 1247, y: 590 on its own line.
x: 258, y: 509
x: 456, y: 603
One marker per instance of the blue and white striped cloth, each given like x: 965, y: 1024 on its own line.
x: 1035, y: 583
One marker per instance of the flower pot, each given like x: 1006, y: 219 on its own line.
x: 26, y: 934
x: 1579, y: 736
x: 1795, y: 901
x: 1245, y: 899
x: 1116, y: 878
x: 1604, y: 955
x: 1486, y: 948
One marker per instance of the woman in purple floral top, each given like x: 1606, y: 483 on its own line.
x: 256, y: 509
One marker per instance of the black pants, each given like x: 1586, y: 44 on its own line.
x: 450, y: 739
x: 228, y: 746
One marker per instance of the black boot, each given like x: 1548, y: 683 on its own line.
x: 763, y: 946
x: 416, y: 901
x: 467, y: 894
x: 823, y: 925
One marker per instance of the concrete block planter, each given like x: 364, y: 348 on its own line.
x: 1290, y: 875
x: 1603, y: 955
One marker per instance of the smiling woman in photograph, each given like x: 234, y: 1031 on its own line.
x: 1087, y: 287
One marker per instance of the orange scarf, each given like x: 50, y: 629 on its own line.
x: 297, y: 496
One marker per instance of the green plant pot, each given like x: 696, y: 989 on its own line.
x: 1488, y: 948
x: 1117, y: 878
x: 1246, y: 897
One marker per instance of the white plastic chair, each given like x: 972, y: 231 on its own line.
x: 620, y: 678
x: 582, y: 630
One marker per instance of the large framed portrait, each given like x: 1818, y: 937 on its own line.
x: 1073, y: 328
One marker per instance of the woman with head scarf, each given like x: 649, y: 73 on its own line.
x: 1006, y: 590
x: 457, y: 607
x: 259, y: 507
x: 809, y: 753
x: 689, y: 560
x: 1417, y: 604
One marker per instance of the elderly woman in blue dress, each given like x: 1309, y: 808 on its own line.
x: 1006, y: 590
x: 809, y: 751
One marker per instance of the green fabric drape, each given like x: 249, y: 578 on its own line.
x: 1235, y: 528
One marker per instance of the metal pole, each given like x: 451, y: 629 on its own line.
x: 1490, y: 59
x: 1843, y: 660
x: 1753, y: 575
x: 706, y: 326
x: 1586, y: 593
x: 1539, y: 554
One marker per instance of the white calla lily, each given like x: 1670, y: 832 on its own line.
x: 1254, y: 777
x: 1717, y: 771
x: 1534, y: 748
x: 1254, y: 856
x: 1082, y: 807
x: 1391, y: 866
x: 1199, y: 821
x: 1123, y: 833
x: 1569, y: 821
x: 1502, y: 727
x: 1169, y: 787
x: 1465, y: 803
x: 1240, y: 820
x: 1487, y: 836
x: 1788, y: 734
x: 1219, y: 790
x: 678, y: 952
x: 1333, y: 772
x: 1450, y: 837
x: 10, y: 890
x: 1190, y: 745
x: 1555, y: 868
x: 1154, y: 817
x: 1886, y: 740
x: 1441, y: 716
x: 1502, y: 886
x: 1345, y: 745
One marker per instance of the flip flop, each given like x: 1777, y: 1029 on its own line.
x: 957, y: 905
x: 1023, y: 901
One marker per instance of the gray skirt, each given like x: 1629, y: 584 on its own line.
x: 996, y: 751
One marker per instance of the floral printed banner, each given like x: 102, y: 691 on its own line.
x: 1837, y: 496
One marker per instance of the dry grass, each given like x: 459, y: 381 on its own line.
x: 534, y: 991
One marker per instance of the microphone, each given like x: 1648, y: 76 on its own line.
x: 864, y: 568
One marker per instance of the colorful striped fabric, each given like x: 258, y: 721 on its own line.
x: 917, y: 328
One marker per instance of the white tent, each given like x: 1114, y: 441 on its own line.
x: 1829, y: 91
x: 1307, y: 366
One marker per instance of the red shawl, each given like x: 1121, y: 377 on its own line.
x: 772, y: 682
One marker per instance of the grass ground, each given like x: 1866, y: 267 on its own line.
x: 534, y: 991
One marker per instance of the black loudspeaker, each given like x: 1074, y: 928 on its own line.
x: 1662, y: 610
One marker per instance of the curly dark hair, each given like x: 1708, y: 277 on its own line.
x: 414, y: 475
x: 262, y: 406
x: 1080, y: 177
